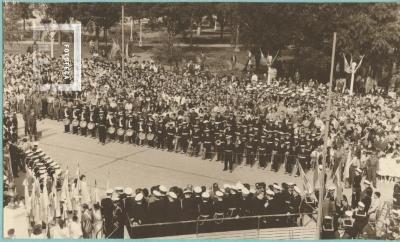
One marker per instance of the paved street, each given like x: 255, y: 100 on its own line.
x: 132, y: 166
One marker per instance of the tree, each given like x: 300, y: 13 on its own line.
x: 61, y: 13
x: 174, y: 20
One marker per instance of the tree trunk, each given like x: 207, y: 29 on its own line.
x: 97, y: 32
x: 222, y: 23
x: 191, y: 30
x: 59, y: 37
x: 105, y: 36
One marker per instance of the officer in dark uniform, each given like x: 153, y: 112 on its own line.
x: 189, y: 206
x: 196, y: 138
x: 111, y: 123
x: 160, y: 131
x: 32, y: 126
x: 130, y: 126
x: 245, y: 203
x: 356, y: 188
x: 67, y: 116
x: 302, y: 157
x: 228, y: 154
x: 107, y: 212
x: 102, y: 127
x: 360, y: 219
x: 291, y: 159
x: 85, y: 118
x: 121, y: 125
x: 239, y: 148
x: 75, y: 119
x: 219, y: 205
x: 250, y: 150
x: 117, y: 219
x: 262, y: 152
x: 220, y: 145
x: 275, y: 155
x: 185, y: 137
x: 206, y: 209
x: 136, y: 213
x: 207, y: 142
x: 170, y: 136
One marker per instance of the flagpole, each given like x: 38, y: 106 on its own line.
x: 327, y: 123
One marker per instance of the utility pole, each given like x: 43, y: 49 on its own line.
x: 123, y: 44
x: 327, y: 123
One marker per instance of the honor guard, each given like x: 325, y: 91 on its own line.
x: 84, y: 121
x: 196, y: 139
x: 219, y: 145
x: 170, y: 136
x: 121, y: 127
x: 250, y: 150
x: 207, y: 142
x: 102, y: 127
x: 111, y: 123
x: 75, y: 119
x: 160, y: 129
x: 185, y: 137
x: 262, y: 153
x: 229, y: 150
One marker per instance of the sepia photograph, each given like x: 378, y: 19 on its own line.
x: 190, y: 120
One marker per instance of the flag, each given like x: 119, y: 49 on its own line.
x: 28, y: 202
x: 346, y: 172
x: 45, y: 202
x: 36, y: 202
x: 306, y: 182
x: 56, y: 199
x: 347, y: 67
x: 337, y: 180
x: 65, y: 193
x: 263, y: 60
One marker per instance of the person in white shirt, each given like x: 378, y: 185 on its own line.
x: 376, y: 206
x: 75, y: 228
x: 60, y: 230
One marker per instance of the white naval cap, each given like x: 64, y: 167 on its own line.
x: 163, y: 189
x: 172, y: 195
x: 139, y: 197
x: 205, y: 195
x: 128, y: 191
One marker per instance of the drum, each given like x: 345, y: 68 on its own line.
x: 111, y: 130
x: 67, y: 121
x: 120, y: 131
x: 75, y: 122
x: 83, y: 124
x: 142, y: 136
x: 150, y: 136
x: 91, y: 126
x: 129, y: 132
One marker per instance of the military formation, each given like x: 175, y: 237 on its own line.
x: 240, y: 139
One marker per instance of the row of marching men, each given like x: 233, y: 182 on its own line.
x: 123, y: 207
x: 242, y: 141
x: 39, y: 164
